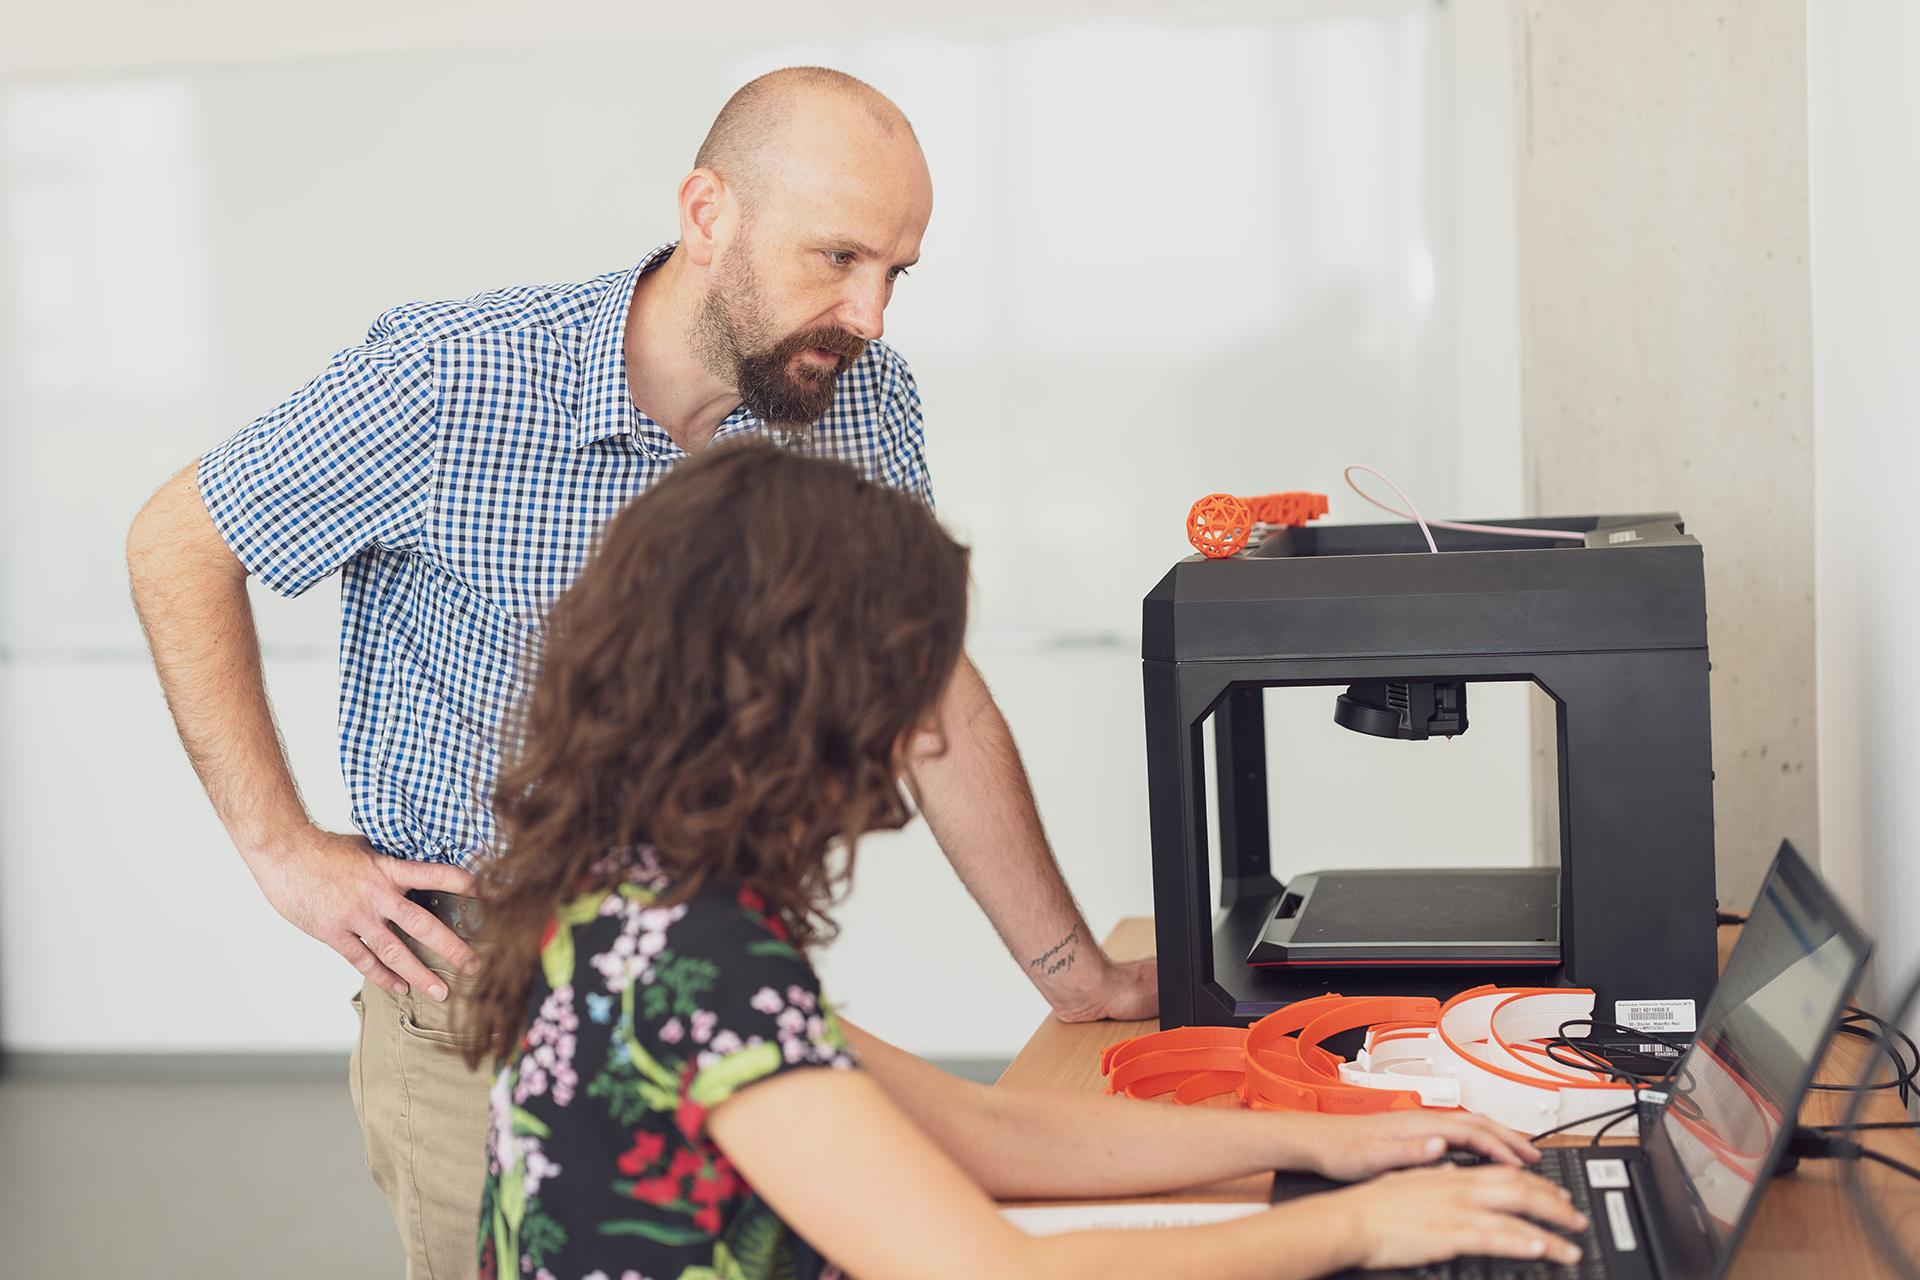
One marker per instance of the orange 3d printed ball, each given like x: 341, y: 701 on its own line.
x: 1218, y: 525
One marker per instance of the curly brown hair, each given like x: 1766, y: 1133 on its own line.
x: 729, y: 681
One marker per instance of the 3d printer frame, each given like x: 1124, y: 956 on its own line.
x: 1613, y: 630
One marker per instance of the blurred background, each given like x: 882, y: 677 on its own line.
x: 1168, y: 257
x: 1525, y: 256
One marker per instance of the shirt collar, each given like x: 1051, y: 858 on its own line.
x: 606, y: 404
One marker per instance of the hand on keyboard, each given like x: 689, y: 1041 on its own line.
x: 1417, y: 1216
x: 1562, y: 1166
x: 1349, y: 1148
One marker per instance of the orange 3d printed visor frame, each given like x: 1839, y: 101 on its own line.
x: 1485, y: 1050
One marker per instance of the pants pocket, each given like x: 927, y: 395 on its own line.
x: 433, y: 1035
x: 437, y: 1021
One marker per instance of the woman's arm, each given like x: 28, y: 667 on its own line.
x: 853, y: 1174
x: 1031, y: 1143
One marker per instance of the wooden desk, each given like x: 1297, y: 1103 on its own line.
x: 1805, y: 1226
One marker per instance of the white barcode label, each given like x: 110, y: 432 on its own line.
x: 1655, y: 1015
x: 1621, y: 1221
x: 1607, y: 1173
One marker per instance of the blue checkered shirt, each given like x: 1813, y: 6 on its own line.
x: 457, y: 467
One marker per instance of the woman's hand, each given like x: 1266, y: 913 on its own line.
x: 1349, y: 1148
x: 1417, y: 1216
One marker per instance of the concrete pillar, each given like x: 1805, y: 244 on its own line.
x: 1666, y: 343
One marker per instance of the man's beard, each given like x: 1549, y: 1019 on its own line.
x: 772, y: 387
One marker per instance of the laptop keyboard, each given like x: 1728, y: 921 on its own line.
x: 1557, y: 1164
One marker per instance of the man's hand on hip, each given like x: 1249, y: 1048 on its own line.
x: 339, y: 889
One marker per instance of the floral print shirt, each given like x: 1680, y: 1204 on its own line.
x: 642, y: 1019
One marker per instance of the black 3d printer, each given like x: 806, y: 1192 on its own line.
x: 1613, y: 629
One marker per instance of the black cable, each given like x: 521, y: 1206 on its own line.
x: 1814, y: 1144
x: 1621, y: 1112
x: 1591, y: 1059
x: 1601, y: 1132
x: 1905, y: 1071
x: 1881, y: 1158
x: 1563, y: 1041
x: 1867, y: 1124
x: 1889, y: 1032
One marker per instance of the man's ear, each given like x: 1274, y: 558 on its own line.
x: 704, y: 208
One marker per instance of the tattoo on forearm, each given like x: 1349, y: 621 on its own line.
x: 1059, y: 956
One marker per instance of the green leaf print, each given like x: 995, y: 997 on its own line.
x: 678, y: 983
x: 540, y: 1233
x: 556, y: 958
x: 658, y: 1232
x: 762, y: 1245
x: 493, y: 1222
x: 831, y: 1025
x: 624, y: 1102
x: 644, y: 1062
x: 725, y: 1267
x: 629, y: 1098
x: 738, y: 1069
x: 633, y: 1082
x: 774, y: 947
x: 689, y: 978
x: 527, y: 1124
x: 506, y: 1242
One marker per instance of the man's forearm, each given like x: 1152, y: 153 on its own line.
x: 191, y: 596
x: 977, y: 800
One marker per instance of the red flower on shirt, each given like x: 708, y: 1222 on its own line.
x: 753, y: 902
x: 546, y: 934
x: 728, y: 1181
x: 664, y: 1189
x: 715, y: 1184
x: 690, y: 1116
x: 645, y: 1150
x: 708, y: 1220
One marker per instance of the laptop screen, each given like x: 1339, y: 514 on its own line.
x: 1754, y: 1054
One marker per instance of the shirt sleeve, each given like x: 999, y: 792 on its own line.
x: 906, y: 428
x: 343, y: 465
x: 759, y: 1011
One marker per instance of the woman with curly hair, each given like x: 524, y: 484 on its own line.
x: 729, y: 697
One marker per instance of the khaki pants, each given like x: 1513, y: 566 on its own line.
x: 424, y: 1116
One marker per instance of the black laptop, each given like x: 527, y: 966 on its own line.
x: 1675, y: 1207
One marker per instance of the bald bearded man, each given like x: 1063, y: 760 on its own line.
x: 456, y: 467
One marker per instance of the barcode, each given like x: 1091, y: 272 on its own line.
x: 1654, y: 1015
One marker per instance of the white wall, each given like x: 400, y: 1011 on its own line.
x: 194, y: 214
x: 1864, y: 145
